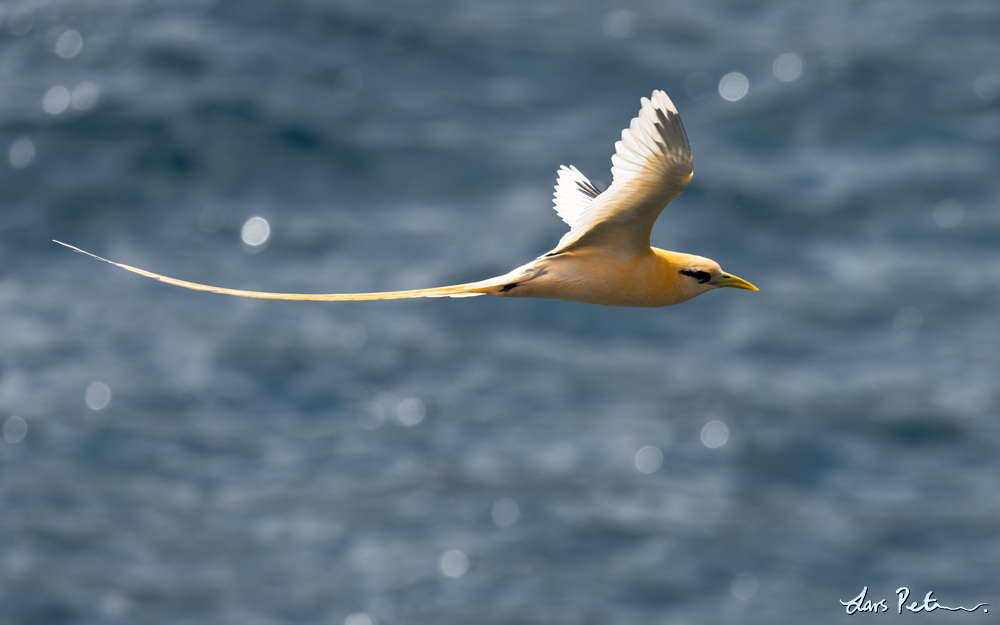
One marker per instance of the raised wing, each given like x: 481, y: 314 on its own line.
x: 651, y: 166
x: 574, y: 193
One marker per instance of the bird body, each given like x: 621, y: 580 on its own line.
x: 606, y: 257
x: 596, y: 277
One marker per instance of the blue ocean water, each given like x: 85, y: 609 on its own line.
x: 180, y: 457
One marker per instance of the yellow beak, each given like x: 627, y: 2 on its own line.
x: 728, y: 279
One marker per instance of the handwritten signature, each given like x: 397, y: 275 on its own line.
x: 862, y: 604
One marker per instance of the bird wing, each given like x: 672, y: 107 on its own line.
x: 574, y: 193
x: 651, y: 166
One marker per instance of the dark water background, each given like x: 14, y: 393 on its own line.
x: 258, y: 462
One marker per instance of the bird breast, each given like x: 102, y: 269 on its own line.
x: 646, y: 280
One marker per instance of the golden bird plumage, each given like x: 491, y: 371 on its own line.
x: 606, y: 257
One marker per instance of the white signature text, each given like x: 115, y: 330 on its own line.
x: 861, y: 603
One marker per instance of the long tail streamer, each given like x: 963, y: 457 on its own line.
x: 459, y: 290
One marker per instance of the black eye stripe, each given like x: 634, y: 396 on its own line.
x: 700, y: 276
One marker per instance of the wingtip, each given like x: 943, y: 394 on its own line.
x: 665, y: 100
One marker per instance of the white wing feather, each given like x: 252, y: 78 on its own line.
x: 574, y: 192
x: 651, y: 166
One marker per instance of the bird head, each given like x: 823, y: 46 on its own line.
x: 698, y: 275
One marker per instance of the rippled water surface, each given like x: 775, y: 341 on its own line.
x: 179, y: 457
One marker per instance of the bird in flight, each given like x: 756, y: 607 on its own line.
x: 605, y: 258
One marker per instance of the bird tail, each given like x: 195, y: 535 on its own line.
x: 471, y: 289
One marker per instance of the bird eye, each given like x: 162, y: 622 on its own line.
x: 700, y: 276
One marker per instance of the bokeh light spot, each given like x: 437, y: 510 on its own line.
x: 734, y: 86
x: 744, y: 586
x: 20, y: 22
x: 370, y: 421
x: 56, y: 100
x: 987, y: 85
x: 14, y: 430
x: 618, y: 23
x: 21, y: 153
x: 505, y: 512
x: 359, y: 618
x: 648, y: 459
x: 453, y: 563
x: 788, y: 67
x: 69, y: 44
x: 114, y: 606
x: 949, y: 213
x: 714, y: 434
x: 410, y: 412
x: 256, y: 232
x: 98, y: 396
